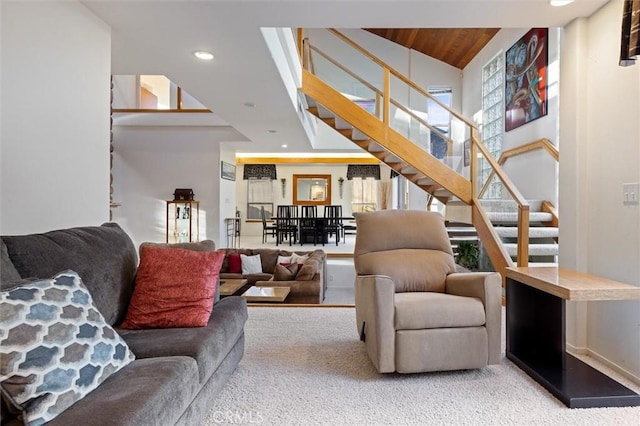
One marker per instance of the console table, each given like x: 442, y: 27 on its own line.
x: 536, y: 324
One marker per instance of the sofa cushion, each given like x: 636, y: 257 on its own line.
x: 251, y: 264
x: 416, y: 311
x: 104, y: 256
x: 204, y: 245
x: 56, y: 346
x: 174, y: 288
x: 235, y: 263
x: 311, y: 266
x: 208, y: 345
x: 285, y: 273
x: 153, y: 391
x: 268, y: 258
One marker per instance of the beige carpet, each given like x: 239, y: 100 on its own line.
x: 306, y: 366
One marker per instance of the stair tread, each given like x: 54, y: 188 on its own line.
x: 534, y: 249
x: 512, y: 217
x: 534, y: 232
x: 491, y: 205
x: 464, y: 238
x: 461, y: 229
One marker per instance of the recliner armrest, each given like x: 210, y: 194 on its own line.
x: 486, y: 286
x: 375, y: 313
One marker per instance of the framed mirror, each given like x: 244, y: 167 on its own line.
x: 309, y: 190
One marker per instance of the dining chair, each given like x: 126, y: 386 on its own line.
x: 333, y: 221
x: 309, y: 211
x: 309, y: 225
x: 286, y: 223
x: 266, y: 229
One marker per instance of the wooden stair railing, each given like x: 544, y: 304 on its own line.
x: 543, y: 143
x: 379, y: 95
x: 380, y: 132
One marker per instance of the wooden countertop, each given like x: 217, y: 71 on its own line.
x: 572, y: 285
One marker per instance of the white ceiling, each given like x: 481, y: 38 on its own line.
x: 158, y: 37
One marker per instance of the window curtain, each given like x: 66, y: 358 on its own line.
x: 630, y: 38
x: 259, y: 171
x: 363, y: 171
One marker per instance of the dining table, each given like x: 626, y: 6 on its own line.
x: 320, y: 224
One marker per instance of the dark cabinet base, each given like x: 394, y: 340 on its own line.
x: 536, y: 344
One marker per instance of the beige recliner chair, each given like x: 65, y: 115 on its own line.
x: 413, y: 311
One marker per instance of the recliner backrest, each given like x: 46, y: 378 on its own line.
x: 412, y: 247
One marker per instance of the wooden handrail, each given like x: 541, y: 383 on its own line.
x: 300, y: 43
x: 496, y: 251
x: 523, y: 205
x: 543, y: 143
x: 515, y: 194
x: 390, y: 139
x: 379, y: 93
x: 399, y: 75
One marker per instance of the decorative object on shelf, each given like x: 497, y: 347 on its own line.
x: 283, y: 181
x: 526, y: 79
x: 340, y: 185
x: 181, y: 194
x: 227, y: 171
x: 183, y: 221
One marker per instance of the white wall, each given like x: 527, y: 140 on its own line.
x: 287, y: 171
x: 55, y: 147
x: 150, y: 163
x: 535, y: 173
x: 598, y: 234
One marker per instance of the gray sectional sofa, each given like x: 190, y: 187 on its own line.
x: 176, y: 373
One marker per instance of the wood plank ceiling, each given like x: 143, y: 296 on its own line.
x: 454, y: 46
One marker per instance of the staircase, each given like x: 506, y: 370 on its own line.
x: 543, y: 235
x: 378, y: 134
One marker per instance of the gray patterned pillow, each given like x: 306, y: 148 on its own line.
x: 55, y: 347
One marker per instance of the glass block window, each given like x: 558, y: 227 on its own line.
x: 492, y: 130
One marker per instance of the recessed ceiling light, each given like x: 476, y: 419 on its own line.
x: 272, y: 131
x: 249, y: 104
x: 559, y: 3
x: 205, y: 56
x: 284, y: 145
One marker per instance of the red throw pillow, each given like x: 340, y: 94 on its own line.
x: 235, y: 263
x: 173, y: 288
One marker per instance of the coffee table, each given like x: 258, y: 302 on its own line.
x: 266, y: 294
x: 228, y: 287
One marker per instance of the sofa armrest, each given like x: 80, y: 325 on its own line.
x: 375, y: 312
x: 486, y: 286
